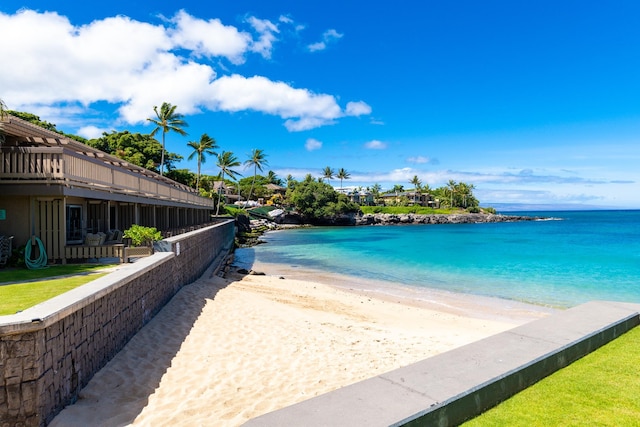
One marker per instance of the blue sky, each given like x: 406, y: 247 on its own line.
x: 535, y: 103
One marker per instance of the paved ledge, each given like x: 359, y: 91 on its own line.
x: 455, y: 386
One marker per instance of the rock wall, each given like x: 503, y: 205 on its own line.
x: 49, y: 352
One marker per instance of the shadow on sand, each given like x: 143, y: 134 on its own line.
x: 117, y: 393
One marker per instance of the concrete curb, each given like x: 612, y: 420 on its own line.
x: 456, y: 386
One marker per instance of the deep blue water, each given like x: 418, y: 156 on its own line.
x: 581, y: 256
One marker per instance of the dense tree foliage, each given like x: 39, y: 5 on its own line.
x: 33, y: 119
x: 315, y: 200
x: 136, y: 148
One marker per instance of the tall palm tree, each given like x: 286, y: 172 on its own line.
x: 273, y: 178
x: 226, y: 161
x: 452, y: 187
x: 258, y: 160
x: 328, y: 174
x: 418, y: 186
x: 168, y: 121
x: 343, y: 174
x: 206, y: 145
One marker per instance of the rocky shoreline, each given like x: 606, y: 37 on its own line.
x: 466, y: 218
x: 249, y: 231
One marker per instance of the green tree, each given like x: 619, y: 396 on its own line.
x: 226, y: 161
x: 183, y: 176
x: 451, y: 187
x: 167, y: 120
x: 417, y: 187
x: 328, y: 173
x: 139, y: 149
x: 316, y: 200
x: 201, y: 148
x: 258, y: 160
x: 273, y: 178
x: 343, y: 174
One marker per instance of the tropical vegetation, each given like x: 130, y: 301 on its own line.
x: 146, y: 151
x: 167, y: 120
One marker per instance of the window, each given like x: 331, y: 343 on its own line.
x: 74, y: 224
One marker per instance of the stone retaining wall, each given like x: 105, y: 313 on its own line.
x: 50, y: 351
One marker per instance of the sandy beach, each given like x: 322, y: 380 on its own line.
x: 225, y: 350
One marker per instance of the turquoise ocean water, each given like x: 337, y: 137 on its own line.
x: 576, y: 257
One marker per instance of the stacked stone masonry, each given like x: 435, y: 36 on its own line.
x: 45, y: 363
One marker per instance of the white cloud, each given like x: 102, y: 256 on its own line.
x: 375, y: 145
x: 135, y: 65
x: 357, y: 109
x: 209, y: 38
x: 419, y: 159
x: 312, y: 144
x: 328, y: 37
x: 90, y: 132
x: 267, y: 31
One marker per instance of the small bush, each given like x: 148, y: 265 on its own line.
x: 140, y: 235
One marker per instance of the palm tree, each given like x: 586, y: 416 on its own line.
x: 328, y: 173
x: 226, y: 161
x: 452, y: 186
x: 273, y: 178
x: 343, y: 174
x: 418, y: 186
x: 167, y: 121
x: 257, y: 158
x: 206, y: 145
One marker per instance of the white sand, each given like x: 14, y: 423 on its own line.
x: 227, y: 350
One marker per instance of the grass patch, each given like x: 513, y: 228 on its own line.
x: 600, y: 389
x: 20, y: 296
x: 14, y: 275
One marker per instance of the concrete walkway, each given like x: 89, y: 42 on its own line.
x: 455, y: 386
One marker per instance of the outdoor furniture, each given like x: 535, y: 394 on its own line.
x: 5, y: 249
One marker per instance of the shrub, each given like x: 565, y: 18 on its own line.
x: 140, y: 235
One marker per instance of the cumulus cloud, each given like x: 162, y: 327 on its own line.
x: 328, y: 37
x: 357, y: 109
x: 209, y: 38
x: 375, y: 145
x: 312, y: 144
x: 135, y: 65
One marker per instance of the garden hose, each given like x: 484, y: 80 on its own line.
x: 41, y: 261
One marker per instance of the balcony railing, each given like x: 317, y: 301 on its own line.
x: 47, y: 164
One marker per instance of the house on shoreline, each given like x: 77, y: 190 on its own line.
x: 64, y: 193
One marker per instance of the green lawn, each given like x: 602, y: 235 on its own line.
x: 21, y: 289
x: 601, y: 389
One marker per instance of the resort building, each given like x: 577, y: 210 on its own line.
x: 411, y: 198
x: 77, y: 200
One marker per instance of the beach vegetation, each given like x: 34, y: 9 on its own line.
x: 600, y: 389
x: 201, y: 148
x: 257, y: 159
x: 226, y: 162
x: 167, y: 120
x: 316, y: 200
x: 328, y: 174
x: 342, y: 175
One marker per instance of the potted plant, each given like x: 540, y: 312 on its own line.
x: 142, y: 239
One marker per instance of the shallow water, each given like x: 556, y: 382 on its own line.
x: 577, y: 257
